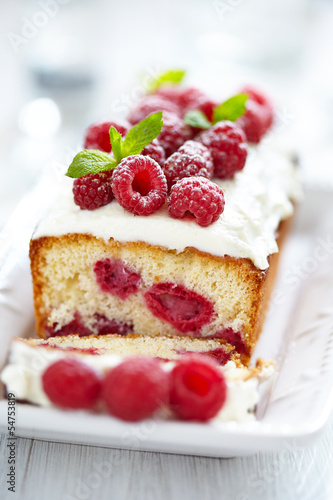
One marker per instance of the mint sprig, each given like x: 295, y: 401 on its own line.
x: 231, y: 110
x: 90, y: 161
x: 171, y: 77
x: 116, y: 142
x: 196, y: 118
x: 93, y: 161
x: 139, y: 136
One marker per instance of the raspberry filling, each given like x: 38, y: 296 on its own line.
x: 184, y: 309
x: 218, y: 354
x: 106, y: 326
x: 102, y: 324
x: 75, y: 327
x: 233, y: 338
x: 114, y: 277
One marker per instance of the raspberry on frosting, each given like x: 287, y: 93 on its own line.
x: 258, y: 117
x: 196, y: 197
x: 174, y: 133
x: 151, y: 104
x: 70, y: 383
x: 93, y: 190
x: 98, y: 137
x: 184, y: 309
x: 227, y: 144
x: 139, y: 185
x: 198, y: 389
x: 192, y: 159
x: 136, y: 389
x: 184, y: 97
x: 155, y: 151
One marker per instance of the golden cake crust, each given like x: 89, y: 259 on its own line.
x: 249, y: 307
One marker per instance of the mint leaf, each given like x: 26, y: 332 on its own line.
x: 231, y: 109
x: 142, y: 134
x: 196, y: 118
x: 116, y: 143
x: 172, y: 77
x: 90, y: 161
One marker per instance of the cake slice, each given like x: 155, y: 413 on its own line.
x: 29, y: 360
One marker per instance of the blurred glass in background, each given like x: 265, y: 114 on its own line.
x: 67, y: 63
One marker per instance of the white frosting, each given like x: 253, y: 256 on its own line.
x: 23, y: 377
x: 255, y: 202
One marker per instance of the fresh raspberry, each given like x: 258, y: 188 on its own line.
x: 155, y: 151
x: 184, y: 97
x: 136, y: 389
x: 105, y: 326
x: 258, y: 117
x: 114, y: 277
x: 263, y: 100
x: 151, y: 104
x: 195, y: 148
x: 70, y: 383
x: 198, y: 388
x: 184, y: 309
x: 255, y: 121
x: 181, y: 164
x: 227, y: 144
x: 74, y: 327
x: 174, y: 133
x: 139, y: 185
x: 98, y: 137
x: 196, y: 197
x: 207, y: 107
x: 93, y: 190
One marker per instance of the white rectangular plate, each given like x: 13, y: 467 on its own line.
x: 298, y: 334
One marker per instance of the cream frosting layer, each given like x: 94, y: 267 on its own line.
x: 23, y: 377
x: 256, y: 201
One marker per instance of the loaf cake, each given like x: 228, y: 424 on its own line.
x: 116, y: 269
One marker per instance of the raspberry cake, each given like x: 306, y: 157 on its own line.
x: 105, y: 374
x: 177, y: 234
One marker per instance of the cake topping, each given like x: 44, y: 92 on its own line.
x: 169, y: 78
x: 92, y: 161
x: 93, y: 190
x: 71, y: 383
x: 139, y: 185
x: 258, y: 117
x: 191, y: 159
x: 150, y: 104
x: 231, y: 110
x: 198, y: 388
x: 98, y: 136
x: 136, y: 389
x: 227, y: 144
x: 185, y: 309
x: 198, y: 198
x: 174, y: 133
x: 113, y: 276
x: 155, y: 151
